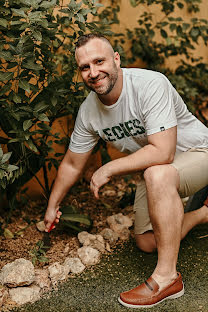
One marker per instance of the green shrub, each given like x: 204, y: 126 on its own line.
x: 39, y: 81
x: 158, y: 38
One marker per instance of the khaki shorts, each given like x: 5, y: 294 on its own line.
x: 192, y: 167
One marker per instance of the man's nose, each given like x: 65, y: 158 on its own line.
x: 93, y: 71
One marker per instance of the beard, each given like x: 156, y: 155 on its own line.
x: 107, y: 82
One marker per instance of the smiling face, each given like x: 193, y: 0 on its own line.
x: 99, y: 65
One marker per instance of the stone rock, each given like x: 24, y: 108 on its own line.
x: 58, y: 272
x: 74, y: 265
x: 17, y: 273
x: 85, y: 237
x: 95, y: 241
x: 107, y: 247
x: 121, y: 230
x: 88, y: 255
x: 3, y: 295
x: 109, y: 235
x: 119, y: 219
x: 66, y: 250
x: 22, y: 295
x: 42, y: 278
x: 40, y: 226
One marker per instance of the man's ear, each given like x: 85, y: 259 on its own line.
x: 117, y: 59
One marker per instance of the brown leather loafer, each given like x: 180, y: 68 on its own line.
x: 148, y: 295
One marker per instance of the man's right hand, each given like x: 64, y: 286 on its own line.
x: 51, y: 216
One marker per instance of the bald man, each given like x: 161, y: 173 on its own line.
x: 140, y: 113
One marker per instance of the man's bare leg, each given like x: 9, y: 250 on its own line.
x: 166, y: 215
x: 147, y: 243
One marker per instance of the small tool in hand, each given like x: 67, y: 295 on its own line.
x: 46, y: 237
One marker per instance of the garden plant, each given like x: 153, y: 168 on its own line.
x: 39, y: 80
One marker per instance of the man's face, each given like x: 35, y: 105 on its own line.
x: 98, y: 65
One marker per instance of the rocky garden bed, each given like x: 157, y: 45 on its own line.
x: 28, y: 269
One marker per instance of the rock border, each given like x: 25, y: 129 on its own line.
x: 21, y: 283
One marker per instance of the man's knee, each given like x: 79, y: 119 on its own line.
x: 146, y: 242
x: 161, y: 175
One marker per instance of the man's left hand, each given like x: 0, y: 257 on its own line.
x: 99, y: 178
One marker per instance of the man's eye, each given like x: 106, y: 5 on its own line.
x: 100, y: 61
x: 84, y: 68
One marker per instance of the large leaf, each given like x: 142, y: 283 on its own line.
x: 37, y: 35
x: 4, y: 22
x: 31, y: 65
x: 6, y: 157
x: 1, y: 152
x: 40, y: 107
x: 6, y: 76
x: 48, y: 4
x: 27, y: 124
x: 12, y: 168
x: 24, y: 84
x: 19, y: 12
x: 43, y: 117
x: 74, y: 217
x: 32, y: 146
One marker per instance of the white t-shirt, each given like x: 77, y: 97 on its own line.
x: 147, y: 104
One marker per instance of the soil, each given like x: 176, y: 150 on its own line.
x: 115, y: 197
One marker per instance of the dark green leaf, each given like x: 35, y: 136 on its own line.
x: 44, y: 126
x: 12, y: 168
x: 15, y: 140
x: 6, y: 76
x: 163, y: 33
x: 40, y: 107
x: 48, y: 4
x: 185, y: 26
x: 194, y: 32
x: 27, y: 124
x: 19, y: 12
x: 4, y: 22
x: 172, y: 27
x: 16, y: 98
x: 6, y: 157
x: 23, y: 84
x: 43, y: 117
x: 6, y: 55
x: 32, y: 146
x: 179, y: 30
x: 76, y: 218
x: 37, y: 35
x: 180, y: 5
x: 151, y: 33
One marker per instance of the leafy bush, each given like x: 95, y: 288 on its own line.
x: 158, y: 38
x: 39, y: 82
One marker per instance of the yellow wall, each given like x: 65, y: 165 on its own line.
x: 128, y: 17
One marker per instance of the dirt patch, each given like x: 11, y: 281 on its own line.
x: 114, y: 197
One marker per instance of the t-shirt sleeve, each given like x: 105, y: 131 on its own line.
x: 83, y: 139
x: 158, y: 107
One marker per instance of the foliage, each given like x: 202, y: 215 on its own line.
x: 7, y: 172
x: 38, y: 253
x: 158, y: 38
x: 39, y: 82
x: 71, y: 218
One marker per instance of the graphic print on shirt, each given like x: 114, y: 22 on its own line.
x: 126, y: 129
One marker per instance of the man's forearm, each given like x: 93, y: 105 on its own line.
x: 160, y: 150
x: 68, y: 173
x: 146, y: 157
x: 66, y: 178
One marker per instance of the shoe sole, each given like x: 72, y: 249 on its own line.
x: 174, y: 296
